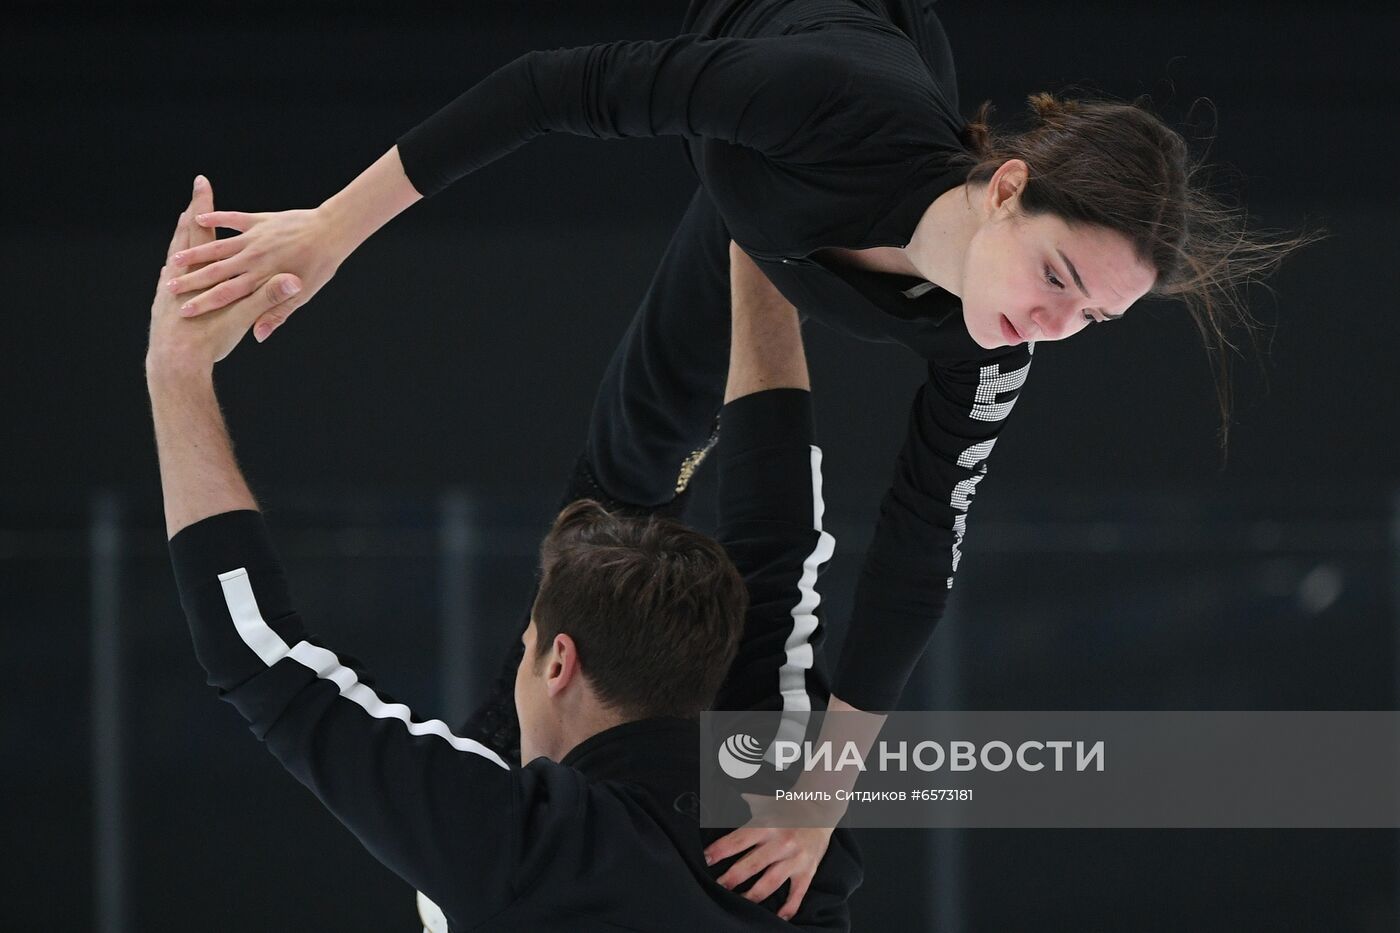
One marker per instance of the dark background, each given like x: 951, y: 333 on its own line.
x: 1112, y: 562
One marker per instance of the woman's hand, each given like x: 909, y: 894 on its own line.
x: 192, y: 346
x: 785, y: 854
x: 301, y: 242
x: 786, y: 838
x: 781, y: 853
x: 310, y: 244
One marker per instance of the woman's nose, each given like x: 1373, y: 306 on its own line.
x: 1054, y: 324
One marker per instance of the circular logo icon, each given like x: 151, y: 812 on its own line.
x: 740, y: 756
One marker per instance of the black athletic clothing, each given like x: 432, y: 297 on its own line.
x: 810, y: 123
x: 606, y: 840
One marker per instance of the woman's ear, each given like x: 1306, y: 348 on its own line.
x: 1007, y: 184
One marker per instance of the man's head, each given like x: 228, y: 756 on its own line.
x: 635, y: 618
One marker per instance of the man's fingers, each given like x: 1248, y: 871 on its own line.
x: 269, y: 322
x: 233, y: 220
x: 279, y: 289
x: 800, y: 883
x: 202, y: 201
x: 181, y: 237
x: 209, y: 252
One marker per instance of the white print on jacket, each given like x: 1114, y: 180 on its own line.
x: 991, y: 382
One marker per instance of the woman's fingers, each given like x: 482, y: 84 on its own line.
x: 233, y: 220
x: 771, y: 881
x: 782, y: 855
x: 731, y: 844
x: 203, y: 278
x: 800, y: 882
x: 758, y: 859
x: 209, y: 252
x: 219, y: 296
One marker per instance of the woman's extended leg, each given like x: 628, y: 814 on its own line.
x: 654, y: 414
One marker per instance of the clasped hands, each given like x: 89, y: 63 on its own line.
x: 194, y: 344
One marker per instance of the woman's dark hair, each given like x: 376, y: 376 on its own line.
x: 1117, y: 165
x: 655, y: 608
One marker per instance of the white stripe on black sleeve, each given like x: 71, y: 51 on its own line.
x: 431, y: 915
x: 269, y: 646
x: 792, y: 676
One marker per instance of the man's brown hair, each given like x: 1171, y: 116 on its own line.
x: 654, y: 607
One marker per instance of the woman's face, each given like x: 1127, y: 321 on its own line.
x: 1037, y: 278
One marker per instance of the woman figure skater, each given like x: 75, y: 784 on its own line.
x: 828, y: 144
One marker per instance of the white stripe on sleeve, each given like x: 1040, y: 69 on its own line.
x: 269, y: 646
x: 431, y: 915
x: 792, y: 676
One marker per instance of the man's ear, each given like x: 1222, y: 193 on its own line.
x: 561, y: 664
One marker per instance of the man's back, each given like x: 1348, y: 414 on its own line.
x: 617, y: 844
x: 609, y: 838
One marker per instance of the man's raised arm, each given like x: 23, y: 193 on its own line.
x: 198, y: 474
x: 770, y: 522
x: 442, y: 812
x: 770, y: 505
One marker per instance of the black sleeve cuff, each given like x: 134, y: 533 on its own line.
x: 771, y: 418
x: 412, y: 162
x: 218, y: 544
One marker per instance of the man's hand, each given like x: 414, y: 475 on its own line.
x: 198, y: 474
x: 194, y: 346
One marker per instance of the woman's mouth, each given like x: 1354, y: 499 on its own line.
x: 1009, y: 332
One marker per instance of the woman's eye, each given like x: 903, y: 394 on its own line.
x: 1050, y: 277
x: 1090, y: 318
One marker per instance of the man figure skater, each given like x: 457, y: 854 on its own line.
x: 636, y: 629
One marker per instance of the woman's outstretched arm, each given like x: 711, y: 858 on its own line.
x: 777, y: 95
x: 315, y: 241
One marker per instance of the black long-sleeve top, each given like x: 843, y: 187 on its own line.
x: 811, y: 124
x: 608, y: 838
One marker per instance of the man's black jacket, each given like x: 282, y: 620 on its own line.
x: 609, y: 838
